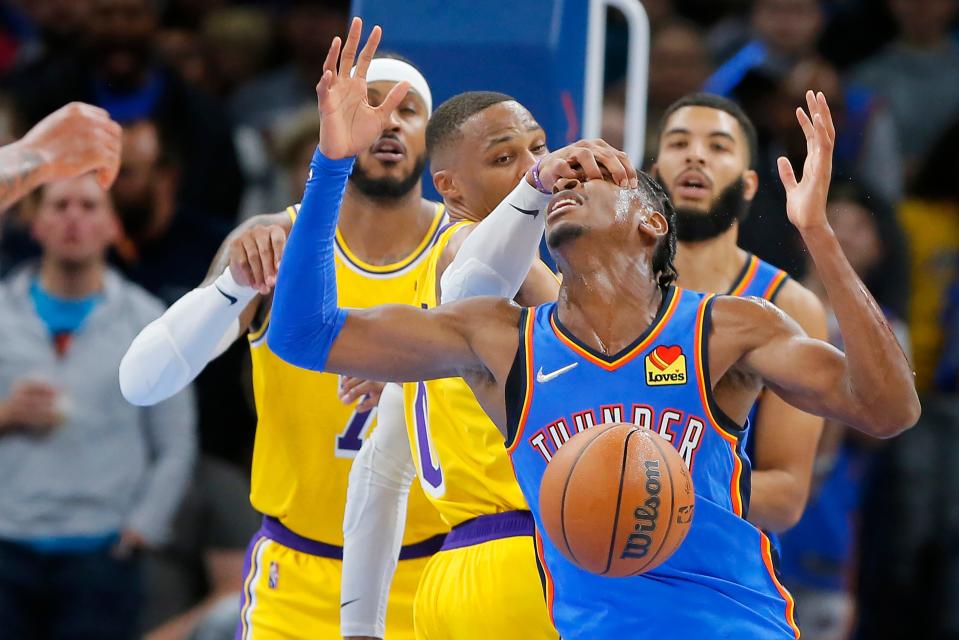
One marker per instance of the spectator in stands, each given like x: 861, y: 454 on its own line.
x: 166, y: 244
x: 237, y: 41
x: 783, y: 33
x: 193, y: 584
x: 917, y: 74
x: 308, y: 27
x: 88, y: 480
x: 119, y: 72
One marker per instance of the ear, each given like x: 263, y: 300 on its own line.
x: 750, y: 184
x: 653, y: 224
x: 445, y: 183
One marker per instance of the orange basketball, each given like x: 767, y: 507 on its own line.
x: 617, y: 500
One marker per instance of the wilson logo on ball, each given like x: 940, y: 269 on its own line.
x: 646, y: 515
x: 666, y: 365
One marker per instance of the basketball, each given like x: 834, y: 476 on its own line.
x: 617, y: 500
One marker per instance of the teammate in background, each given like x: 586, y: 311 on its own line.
x: 481, y: 146
x: 306, y: 437
x: 69, y: 142
x: 706, y: 147
x: 614, y: 247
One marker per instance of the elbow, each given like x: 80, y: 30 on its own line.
x: 790, y: 515
x: 135, y: 388
x: 895, y: 420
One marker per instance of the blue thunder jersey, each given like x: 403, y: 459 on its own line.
x: 721, y: 582
x: 761, y: 280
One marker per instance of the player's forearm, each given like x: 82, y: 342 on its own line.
x: 374, y: 519
x: 173, y: 349
x: 777, y: 500
x: 879, y: 379
x: 21, y: 171
x: 496, y: 257
x: 305, y: 319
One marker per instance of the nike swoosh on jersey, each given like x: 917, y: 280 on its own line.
x: 348, y: 602
x: 546, y: 377
x: 526, y: 212
x: 226, y: 295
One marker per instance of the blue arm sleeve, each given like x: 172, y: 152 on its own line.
x: 305, y: 319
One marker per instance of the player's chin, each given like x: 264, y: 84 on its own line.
x: 563, y: 233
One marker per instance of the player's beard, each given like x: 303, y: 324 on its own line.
x: 387, y: 188
x: 693, y: 225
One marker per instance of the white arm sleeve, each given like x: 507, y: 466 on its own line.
x: 496, y: 257
x: 173, y: 349
x: 375, y: 519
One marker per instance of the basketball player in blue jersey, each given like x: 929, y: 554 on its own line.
x: 704, y: 156
x: 621, y: 344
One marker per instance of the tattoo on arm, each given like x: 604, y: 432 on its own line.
x: 19, y: 174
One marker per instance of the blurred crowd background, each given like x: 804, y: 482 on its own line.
x: 218, y: 108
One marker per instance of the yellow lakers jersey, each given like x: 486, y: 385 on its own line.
x: 306, y: 438
x: 459, y: 454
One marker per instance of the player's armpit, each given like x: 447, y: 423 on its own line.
x: 809, y: 374
x: 399, y: 343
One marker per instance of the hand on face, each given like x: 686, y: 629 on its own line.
x: 586, y: 160
x: 806, y: 199
x: 255, y: 256
x: 348, y: 123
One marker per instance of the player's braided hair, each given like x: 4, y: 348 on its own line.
x: 657, y: 200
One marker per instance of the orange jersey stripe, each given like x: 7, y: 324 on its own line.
x: 528, y: 397
x: 777, y: 281
x: 550, y: 588
x: 747, y: 277
x: 635, y: 351
x: 766, y: 550
x: 734, y: 493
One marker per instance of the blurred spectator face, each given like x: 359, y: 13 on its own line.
x: 121, y: 38
x: 393, y: 165
x: 237, y: 41
x: 857, y: 234
x: 923, y: 21
x: 812, y: 73
x: 145, y: 190
x: 791, y: 27
x: 703, y: 163
x: 59, y: 20
x: 678, y: 63
x: 75, y: 222
x: 310, y: 28
x: 182, y: 50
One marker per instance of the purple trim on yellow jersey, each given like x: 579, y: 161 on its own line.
x: 493, y: 526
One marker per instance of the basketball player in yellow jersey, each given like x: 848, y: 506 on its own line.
x: 485, y: 582
x: 705, y: 151
x: 306, y: 437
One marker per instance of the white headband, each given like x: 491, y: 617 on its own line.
x: 393, y: 70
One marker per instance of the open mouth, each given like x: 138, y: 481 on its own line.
x: 562, y: 201
x: 693, y: 185
x: 388, y: 150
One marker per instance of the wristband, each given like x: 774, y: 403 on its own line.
x: 537, y: 181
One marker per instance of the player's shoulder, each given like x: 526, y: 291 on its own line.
x: 750, y: 317
x: 803, y: 306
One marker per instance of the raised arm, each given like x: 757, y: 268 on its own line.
x: 307, y: 328
x: 871, y: 386
x: 72, y: 140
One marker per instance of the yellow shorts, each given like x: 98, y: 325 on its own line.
x: 485, y: 591
x: 290, y: 594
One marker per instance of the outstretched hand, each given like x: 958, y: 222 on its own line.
x: 348, y: 124
x: 806, y: 199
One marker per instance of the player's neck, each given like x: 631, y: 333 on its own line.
x: 380, y: 231
x: 609, y: 299
x: 69, y: 280
x: 710, y: 265
x: 458, y: 212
